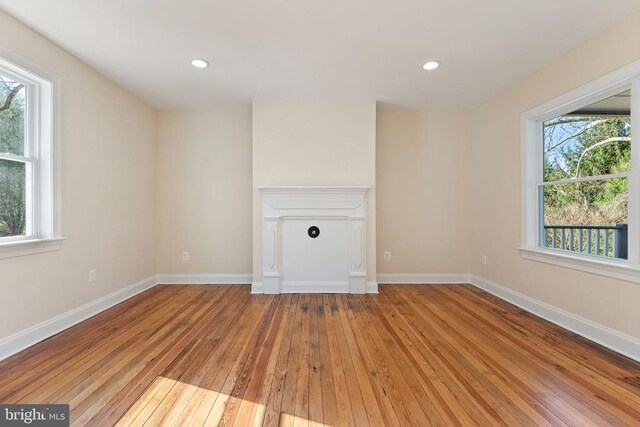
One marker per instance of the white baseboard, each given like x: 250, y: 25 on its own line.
x: 372, y: 287
x: 258, y: 288
x: 616, y: 341
x: 19, y: 341
x: 422, y: 279
x: 314, y: 287
x: 204, y: 279
x: 603, y: 335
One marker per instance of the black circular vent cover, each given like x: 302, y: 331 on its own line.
x: 313, y: 231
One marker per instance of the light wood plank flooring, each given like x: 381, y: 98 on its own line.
x: 413, y: 355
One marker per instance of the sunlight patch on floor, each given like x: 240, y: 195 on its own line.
x: 172, y: 402
x: 293, y: 420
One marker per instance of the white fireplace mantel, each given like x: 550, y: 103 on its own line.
x: 314, y: 239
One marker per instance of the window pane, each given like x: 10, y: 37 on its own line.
x: 12, y: 198
x: 589, y: 217
x: 593, y: 140
x: 12, y: 108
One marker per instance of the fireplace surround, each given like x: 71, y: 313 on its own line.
x: 314, y: 239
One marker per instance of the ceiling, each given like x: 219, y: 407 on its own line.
x: 318, y: 49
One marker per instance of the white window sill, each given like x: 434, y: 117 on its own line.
x: 28, y: 247
x: 617, y: 269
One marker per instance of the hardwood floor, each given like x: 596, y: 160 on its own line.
x: 412, y: 355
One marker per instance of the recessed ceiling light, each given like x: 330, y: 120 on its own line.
x: 199, y: 63
x: 431, y: 65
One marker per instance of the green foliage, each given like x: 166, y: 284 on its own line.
x: 586, y: 146
x: 12, y: 174
x: 12, y: 198
x: 11, y: 120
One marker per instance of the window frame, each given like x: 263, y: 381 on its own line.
x: 41, y: 155
x: 625, y: 78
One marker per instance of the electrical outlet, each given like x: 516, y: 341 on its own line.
x: 186, y: 256
x: 387, y: 256
x: 484, y: 260
x: 93, y: 275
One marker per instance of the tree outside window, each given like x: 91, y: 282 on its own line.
x: 12, y: 170
x: 586, y: 162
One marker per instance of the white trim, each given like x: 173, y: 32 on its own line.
x: 531, y: 140
x: 257, y: 288
x: 372, y: 287
x: 14, y: 158
x: 422, y: 278
x: 602, y: 87
x: 603, y: 335
x: 313, y: 188
x: 633, y: 226
x: 282, y: 206
x: 612, y: 339
x: 44, y: 138
x: 204, y: 279
x: 315, y: 287
x: 588, y: 263
x: 21, y: 340
x: 28, y: 247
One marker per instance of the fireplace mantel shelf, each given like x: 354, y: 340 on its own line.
x: 313, y: 189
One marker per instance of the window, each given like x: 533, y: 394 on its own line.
x: 15, y: 163
x: 581, y: 189
x: 29, y: 181
x: 584, y: 193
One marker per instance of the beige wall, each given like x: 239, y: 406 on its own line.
x: 208, y: 202
x: 497, y: 194
x: 204, y: 191
x: 205, y: 170
x: 108, y: 192
x: 314, y: 143
x: 423, y: 198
